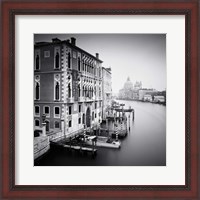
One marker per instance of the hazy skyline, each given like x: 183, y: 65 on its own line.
x: 142, y: 57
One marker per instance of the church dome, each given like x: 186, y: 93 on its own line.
x: 128, y: 84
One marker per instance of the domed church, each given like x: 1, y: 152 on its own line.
x: 128, y: 85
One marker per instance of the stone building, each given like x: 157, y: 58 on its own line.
x: 127, y: 91
x: 107, y: 90
x: 145, y: 91
x: 67, y: 87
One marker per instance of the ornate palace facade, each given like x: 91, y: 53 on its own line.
x: 67, y: 87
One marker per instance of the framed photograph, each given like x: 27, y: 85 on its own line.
x: 100, y: 100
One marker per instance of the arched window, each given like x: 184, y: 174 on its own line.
x: 79, y: 64
x: 57, y: 92
x: 95, y: 90
x: 83, y: 64
x: 57, y: 61
x: 69, y: 90
x: 37, y: 91
x: 79, y: 91
x: 37, y: 65
x: 87, y: 92
x: 69, y: 60
x: 92, y: 115
x: 99, y: 72
x: 83, y: 119
x: 94, y: 70
x: 92, y: 92
x: 83, y: 91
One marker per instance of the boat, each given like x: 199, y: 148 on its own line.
x: 103, y: 142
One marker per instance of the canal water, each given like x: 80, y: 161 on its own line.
x: 145, y: 144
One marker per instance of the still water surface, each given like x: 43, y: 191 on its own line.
x: 145, y: 144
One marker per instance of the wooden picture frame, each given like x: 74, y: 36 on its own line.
x: 12, y: 8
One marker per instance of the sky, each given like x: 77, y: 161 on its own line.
x: 142, y: 57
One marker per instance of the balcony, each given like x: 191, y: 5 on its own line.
x: 70, y: 100
x: 81, y: 99
x: 89, y: 99
x: 98, y: 99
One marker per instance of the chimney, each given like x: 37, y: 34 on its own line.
x: 97, y: 55
x: 73, y: 41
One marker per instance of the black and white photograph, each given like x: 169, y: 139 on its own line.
x: 99, y: 99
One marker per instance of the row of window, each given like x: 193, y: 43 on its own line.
x: 46, y: 55
x: 56, y: 124
x: 86, y: 66
x: 56, y: 87
x: 94, y: 115
x: 46, y: 111
x: 90, y: 68
x: 86, y: 91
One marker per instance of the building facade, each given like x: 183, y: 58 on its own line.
x: 144, y: 92
x: 67, y: 87
x: 107, y: 90
x: 127, y: 91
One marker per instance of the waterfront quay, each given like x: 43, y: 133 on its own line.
x: 144, y: 145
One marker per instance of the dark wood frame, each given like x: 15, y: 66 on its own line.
x: 177, y: 7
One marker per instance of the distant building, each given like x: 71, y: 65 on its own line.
x: 159, y: 99
x: 107, y: 90
x: 148, y: 97
x: 137, y: 85
x: 127, y: 91
x: 67, y: 87
x: 145, y: 91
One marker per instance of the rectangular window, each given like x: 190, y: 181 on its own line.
x: 95, y: 105
x: 37, y: 110
x: 79, y: 120
x: 79, y: 108
x: 57, y: 112
x: 95, y: 115
x: 47, y: 111
x: 37, y: 122
x: 46, y: 54
x: 70, y: 123
x: 70, y: 110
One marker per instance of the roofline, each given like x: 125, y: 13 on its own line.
x: 107, y: 70
x: 68, y: 43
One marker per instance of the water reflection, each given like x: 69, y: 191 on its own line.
x: 145, y: 144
